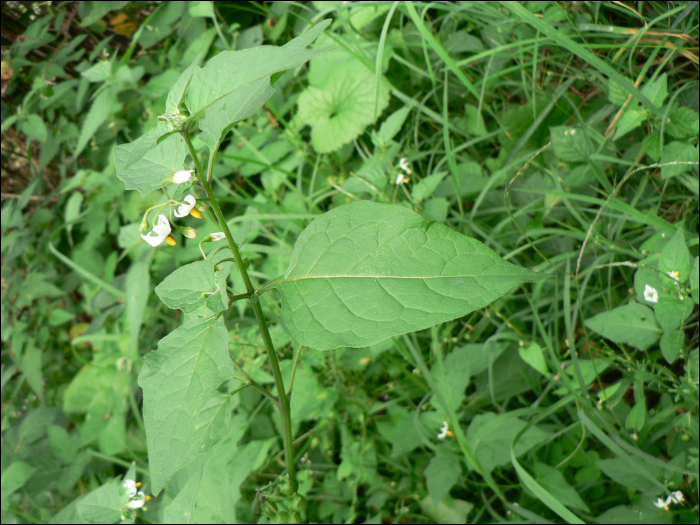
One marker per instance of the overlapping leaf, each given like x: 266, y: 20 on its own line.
x: 230, y: 87
x: 178, y: 381
x: 235, y: 84
x: 188, y: 287
x: 143, y: 164
x: 365, y: 271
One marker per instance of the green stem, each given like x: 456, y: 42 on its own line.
x: 285, y: 411
x: 295, y: 362
x: 118, y: 461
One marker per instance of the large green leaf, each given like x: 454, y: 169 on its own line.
x: 364, y: 272
x: 188, y: 287
x: 442, y: 472
x: 230, y: 87
x: 491, y: 436
x: 177, y: 92
x: 235, y: 84
x: 179, y: 381
x: 340, y: 108
x: 143, y: 164
x: 103, y: 505
x: 632, y: 323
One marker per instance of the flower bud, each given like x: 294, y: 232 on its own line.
x: 182, y: 176
x: 218, y: 236
x: 190, y: 233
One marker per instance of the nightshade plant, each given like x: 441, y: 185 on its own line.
x: 359, y: 274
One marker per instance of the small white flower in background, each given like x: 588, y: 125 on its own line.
x: 650, y: 294
x: 403, y: 164
x: 674, y: 275
x: 400, y: 179
x: 138, y: 501
x: 137, y: 498
x: 444, y: 430
x: 184, y: 209
x: 660, y: 503
x: 675, y: 497
x: 159, y: 233
x: 183, y: 176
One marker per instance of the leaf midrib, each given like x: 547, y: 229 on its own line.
x: 377, y: 277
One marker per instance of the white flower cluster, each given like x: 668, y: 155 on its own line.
x: 401, y: 178
x: 161, y: 230
x: 675, y: 498
x: 137, y: 498
x: 652, y: 295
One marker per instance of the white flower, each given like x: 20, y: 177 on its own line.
x: 444, y: 430
x: 674, y: 275
x: 190, y: 233
x: 159, y: 232
x: 403, y: 164
x: 183, y: 176
x: 184, y: 209
x: 400, y: 179
x: 138, y: 501
x: 650, y: 294
x: 675, y: 497
x: 130, y: 487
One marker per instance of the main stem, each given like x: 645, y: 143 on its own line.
x: 260, y: 316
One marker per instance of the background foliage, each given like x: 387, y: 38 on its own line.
x: 562, y: 135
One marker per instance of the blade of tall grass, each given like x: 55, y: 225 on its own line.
x: 577, y: 49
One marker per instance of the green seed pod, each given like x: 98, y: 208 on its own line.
x: 246, y: 262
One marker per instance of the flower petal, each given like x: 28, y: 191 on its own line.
x: 183, y: 176
x: 130, y: 487
x: 139, y: 501
x: 184, y: 209
x: 159, y: 232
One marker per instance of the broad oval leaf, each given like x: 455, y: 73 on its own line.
x: 144, y: 163
x: 365, y: 271
x: 235, y: 84
x: 178, y: 381
x: 632, y: 323
x: 188, y: 287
